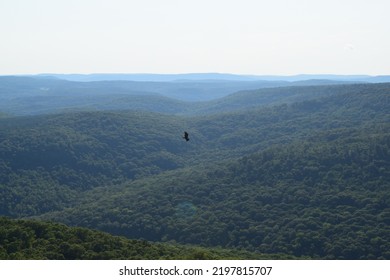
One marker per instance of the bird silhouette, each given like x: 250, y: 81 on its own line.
x: 186, y: 136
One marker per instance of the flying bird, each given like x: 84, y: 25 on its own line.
x: 186, y: 136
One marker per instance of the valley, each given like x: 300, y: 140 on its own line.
x: 272, y: 170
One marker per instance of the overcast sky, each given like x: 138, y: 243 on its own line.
x: 276, y: 37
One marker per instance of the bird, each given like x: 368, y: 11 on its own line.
x: 186, y: 136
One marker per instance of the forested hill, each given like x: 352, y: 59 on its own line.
x: 248, y: 99
x: 313, y: 199
x: 46, y: 161
x: 304, y: 176
x: 21, y: 240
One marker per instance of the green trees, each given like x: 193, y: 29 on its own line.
x: 265, y: 203
x: 46, y: 162
x: 308, y: 178
x: 22, y: 239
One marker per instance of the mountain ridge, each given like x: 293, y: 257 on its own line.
x: 34, y: 96
x: 213, y: 76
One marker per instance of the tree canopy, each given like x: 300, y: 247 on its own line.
x: 296, y: 171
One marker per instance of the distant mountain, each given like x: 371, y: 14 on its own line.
x: 153, y: 77
x: 213, y: 77
x: 44, y: 95
x: 14, y: 90
x: 378, y: 79
x: 248, y: 99
x: 33, y: 96
x: 303, y: 77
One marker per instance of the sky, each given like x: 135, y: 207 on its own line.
x: 258, y: 37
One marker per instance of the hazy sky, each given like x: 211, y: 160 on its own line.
x: 283, y: 37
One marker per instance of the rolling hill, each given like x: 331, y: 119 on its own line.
x: 299, y: 171
x: 35, y: 95
x: 306, y: 199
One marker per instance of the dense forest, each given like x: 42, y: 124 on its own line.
x: 21, y: 240
x: 265, y: 202
x: 300, y: 171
